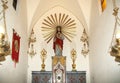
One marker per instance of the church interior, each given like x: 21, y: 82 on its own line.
x: 59, y: 41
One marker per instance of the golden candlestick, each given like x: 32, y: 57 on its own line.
x: 73, y: 57
x: 43, y: 57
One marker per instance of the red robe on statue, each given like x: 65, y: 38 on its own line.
x: 58, y: 44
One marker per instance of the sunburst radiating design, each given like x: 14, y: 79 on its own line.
x: 66, y: 23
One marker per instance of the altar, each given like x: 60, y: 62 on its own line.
x: 46, y: 77
x: 59, y: 74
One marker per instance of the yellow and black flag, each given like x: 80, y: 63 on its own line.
x: 102, y: 5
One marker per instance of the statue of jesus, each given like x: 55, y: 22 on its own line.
x: 58, y: 41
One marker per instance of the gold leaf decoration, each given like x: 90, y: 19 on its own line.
x: 50, y: 23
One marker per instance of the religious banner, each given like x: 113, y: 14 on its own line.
x: 15, y: 4
x: 15, y: 47
x: 102, y: 5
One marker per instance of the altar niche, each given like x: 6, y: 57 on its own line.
x: 59, y: 69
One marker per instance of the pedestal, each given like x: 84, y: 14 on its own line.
x: 58, y: 69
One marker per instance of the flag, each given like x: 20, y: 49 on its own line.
x: 15, y: 4
x: 102, y: 5
x: 15, y: 47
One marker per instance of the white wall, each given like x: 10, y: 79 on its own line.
x: 31, y: 8
x: 102, y: 66
x: 17, y: 20
x: 86, y: 9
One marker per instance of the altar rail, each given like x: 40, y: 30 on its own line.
x: 71, y: 77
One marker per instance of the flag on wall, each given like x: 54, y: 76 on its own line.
x: 15, y: 47
x: 102, y: 5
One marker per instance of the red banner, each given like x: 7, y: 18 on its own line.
x: 15, y: 47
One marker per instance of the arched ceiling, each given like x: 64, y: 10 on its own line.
x: 70, y: 5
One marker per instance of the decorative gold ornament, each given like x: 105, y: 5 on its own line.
x: 60, y: 59
x: 4, y: 43
x: 62, y: 20
x: 84, y: 39
x: 115, y: 43
x: 31, y: 51
x: 43, y: 57
x: 73, y: 57
x: 32, y: 40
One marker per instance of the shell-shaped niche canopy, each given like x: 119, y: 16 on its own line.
x: 54, y: 21
x: 46, y: 26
